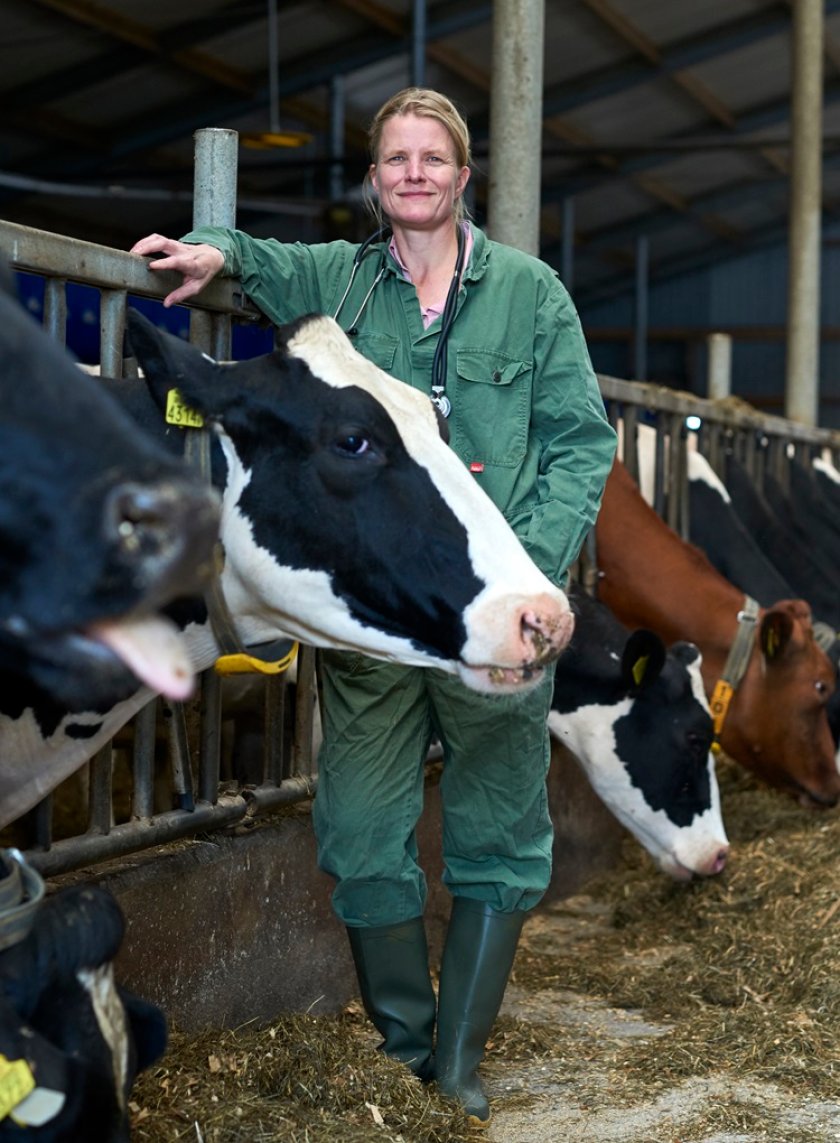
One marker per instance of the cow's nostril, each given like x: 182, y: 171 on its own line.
x: 138, y: 514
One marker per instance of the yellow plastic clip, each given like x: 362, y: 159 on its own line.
x: 245, y: 664
x: 719, y: 705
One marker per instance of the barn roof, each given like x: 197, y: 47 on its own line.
x: 661, y: 119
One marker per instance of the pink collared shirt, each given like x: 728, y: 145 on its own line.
x: 429, y: 313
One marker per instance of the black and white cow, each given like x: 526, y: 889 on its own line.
x: 99, y: 528
x: 346, y: 521
x: 73, y: 1040
x: 799, y: 562
x: 637, y: 720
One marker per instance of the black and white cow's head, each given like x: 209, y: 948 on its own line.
x: 348, y: 522
x: 98, y: 529
x: 637, y: 720
x: 74, y: 1039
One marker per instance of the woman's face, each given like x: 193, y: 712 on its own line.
x: 415, y: 174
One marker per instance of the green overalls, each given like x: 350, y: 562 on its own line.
x: 528, y: 419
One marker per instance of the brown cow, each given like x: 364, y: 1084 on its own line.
x: 776, y: 725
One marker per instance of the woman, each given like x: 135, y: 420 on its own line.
x: 492, y: 336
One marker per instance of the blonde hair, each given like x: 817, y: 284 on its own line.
x: 429, y: 104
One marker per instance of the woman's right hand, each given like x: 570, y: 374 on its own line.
x: 198, y: 264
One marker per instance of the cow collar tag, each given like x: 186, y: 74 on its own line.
x: 734, y: 668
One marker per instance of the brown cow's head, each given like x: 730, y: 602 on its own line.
x: 782, y: 730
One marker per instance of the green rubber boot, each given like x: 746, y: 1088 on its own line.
x: 477, y: 959
x: 392, y: 964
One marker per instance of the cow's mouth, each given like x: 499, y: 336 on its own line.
x: 145, y: 648
x: 152, y: 648
x: 500, y: 680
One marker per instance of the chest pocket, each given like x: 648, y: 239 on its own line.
x: 380, y: 348
x: 491, y: 406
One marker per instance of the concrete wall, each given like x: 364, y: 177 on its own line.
x: 239, y: 927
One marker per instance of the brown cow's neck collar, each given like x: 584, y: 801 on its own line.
x: 735, y: 666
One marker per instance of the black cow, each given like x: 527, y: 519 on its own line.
x: 72, y: 1039
x: 99, y: 527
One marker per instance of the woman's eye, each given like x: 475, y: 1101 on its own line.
x: 395, y: 159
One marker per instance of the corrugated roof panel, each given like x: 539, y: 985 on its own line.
x: 664, y: 21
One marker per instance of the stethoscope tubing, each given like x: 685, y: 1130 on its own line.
x: 440, y: 359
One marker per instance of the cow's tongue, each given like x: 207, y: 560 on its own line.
x: 153, y: 649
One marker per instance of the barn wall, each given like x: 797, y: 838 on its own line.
x: 750, y: 291
x: 239, y: 928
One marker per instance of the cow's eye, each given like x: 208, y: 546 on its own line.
x: 353, y: 444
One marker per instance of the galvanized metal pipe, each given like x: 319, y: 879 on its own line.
x: 418, y: 43
x: 516, y: 123
x: 803, y: 326
x: 719, y: 372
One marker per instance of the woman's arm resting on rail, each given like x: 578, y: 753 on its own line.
x: 198, y: 265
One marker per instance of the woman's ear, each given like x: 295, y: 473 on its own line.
x: 462, y: 180
x: 372, y: 177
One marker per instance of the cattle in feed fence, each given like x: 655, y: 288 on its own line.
x: 99, y: 528
x: 715, y: 527
x: 635, y: 717
x: 774, y: 720
x: 346, y: 521
x: 799, y: 562
x: 71, y: 1040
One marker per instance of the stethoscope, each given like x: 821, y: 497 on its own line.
x: 439, y: 362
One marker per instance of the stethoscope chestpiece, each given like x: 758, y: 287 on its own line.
x: 440, y: 401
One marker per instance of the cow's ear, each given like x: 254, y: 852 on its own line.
x: 775, y: 634
x: 642, y: 660
x: 168, y: 361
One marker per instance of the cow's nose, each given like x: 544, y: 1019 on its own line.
x: 166, y: 529
x: 718, y: 863
x: 545, y: 630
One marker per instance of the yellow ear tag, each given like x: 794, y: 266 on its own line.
x: 177, y: 413
x: 639, y: 668
x: 16, y: 1082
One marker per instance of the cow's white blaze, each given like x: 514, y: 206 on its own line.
x: 679, y: 851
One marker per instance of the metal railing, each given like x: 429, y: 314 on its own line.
x: 201, y: 793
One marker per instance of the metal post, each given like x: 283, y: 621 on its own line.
x: 418, y: 44
x: 273, y: 69
x: 568, y: 253
x: 516, y: 123
x: 802, y: 379
x: 337, y: 115
x: 719, y: 377
x: 641, y: 311
x: 214, y: 204
x: 215, y: 157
